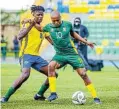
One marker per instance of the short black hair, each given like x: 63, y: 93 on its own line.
x: 37, y: 8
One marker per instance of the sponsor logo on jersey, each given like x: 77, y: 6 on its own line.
x: 52, y: 30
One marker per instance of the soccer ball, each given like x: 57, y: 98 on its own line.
x: 78, y: 98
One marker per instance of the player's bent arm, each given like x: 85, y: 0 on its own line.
x: 78, y: 37
x: 24, y: 31
x: 38, y: 27
x: 49, y: 39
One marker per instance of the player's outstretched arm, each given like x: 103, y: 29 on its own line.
x: 78, y: 37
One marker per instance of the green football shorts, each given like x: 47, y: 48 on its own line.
x: 74, y: 60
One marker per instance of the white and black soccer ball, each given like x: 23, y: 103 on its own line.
x: 78, y: 98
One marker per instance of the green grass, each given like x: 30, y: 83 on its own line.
x: 9, y: 54
x: 106, y: 83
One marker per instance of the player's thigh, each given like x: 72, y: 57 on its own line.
x: 26, y: 61
x: 58, y: 61
x: 75, y: 61
x: 53, y: 65
x: 41, y: 65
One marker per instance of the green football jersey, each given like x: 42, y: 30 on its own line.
x: 61, y: 38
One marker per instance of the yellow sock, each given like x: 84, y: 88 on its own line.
x: 92, y: 90
x: 52, y: 84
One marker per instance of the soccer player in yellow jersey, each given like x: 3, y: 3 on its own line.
x: 29, y: 55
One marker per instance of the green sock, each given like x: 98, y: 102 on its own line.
x: 43, y: 88
x: 10, y: 92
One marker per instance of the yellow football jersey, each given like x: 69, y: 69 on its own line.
x: 31, y: 43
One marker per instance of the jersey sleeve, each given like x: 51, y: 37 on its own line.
x: 46, y: 31
x: 46, y: 34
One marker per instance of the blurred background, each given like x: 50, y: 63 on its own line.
x: 101, y: 17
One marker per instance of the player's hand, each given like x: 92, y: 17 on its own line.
x: 91, y: 44
x: 31, y: 21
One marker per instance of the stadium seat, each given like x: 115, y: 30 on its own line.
x: 113, y: 50
x: 117, y: 36
x: 106, y: 50
x: 105, y: 42
x: 91, y: 51
x: 117, y: 43
x: 66, y: 2
x: 93, y: 2
x: 99, y: 50
x: 78, y: 9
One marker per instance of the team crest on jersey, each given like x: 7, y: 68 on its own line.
x: 64, y: 29
x: 52, y: 30
x: 26, y: 62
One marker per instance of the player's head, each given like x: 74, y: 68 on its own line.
x: 37, y: 12
x: 56, y: 18
x: 77, y: 22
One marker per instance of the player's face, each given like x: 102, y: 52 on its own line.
x: 38, y: 16
x: 56, y: 21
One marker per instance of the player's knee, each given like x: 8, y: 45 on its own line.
x: 25, y: 75
x: 51, y: 67
x: 83, y: 75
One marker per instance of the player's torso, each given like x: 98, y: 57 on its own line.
x: 61, y: 38
x: 31, y: 43
x: 60, y: 35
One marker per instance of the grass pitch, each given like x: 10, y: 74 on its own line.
x: 106, y: 83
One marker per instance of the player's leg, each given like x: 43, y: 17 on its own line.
x: 17, y: 83
x: 21, y: 79
x: 56, y: 62
x: 77, y: 63
x: 52, y: 79
x: 42, y: 66
x: 45, y: 85
x: 88, y: 83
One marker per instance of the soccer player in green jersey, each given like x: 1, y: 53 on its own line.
x: 66, y: 53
